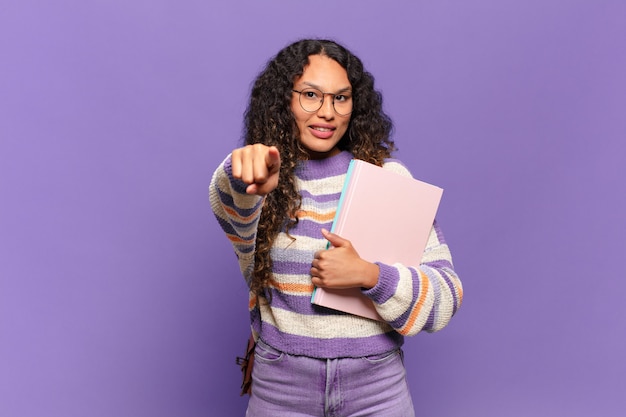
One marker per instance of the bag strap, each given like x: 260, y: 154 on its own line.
x: 246, y: 363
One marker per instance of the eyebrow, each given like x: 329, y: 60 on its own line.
x: 342, y: 90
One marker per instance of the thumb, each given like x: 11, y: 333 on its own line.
x: 335, y: 240
x: 272, y: 159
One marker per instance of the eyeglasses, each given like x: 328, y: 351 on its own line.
x: 311, y: 100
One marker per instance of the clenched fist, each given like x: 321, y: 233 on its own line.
x: 258, y: 166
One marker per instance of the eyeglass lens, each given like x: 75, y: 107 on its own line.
x: 311, y: 99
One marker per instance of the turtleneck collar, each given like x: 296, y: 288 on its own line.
x: 311, y: 169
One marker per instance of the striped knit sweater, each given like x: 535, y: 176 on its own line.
x: 410, y: 299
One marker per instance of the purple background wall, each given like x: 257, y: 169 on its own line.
x: 119, y: 295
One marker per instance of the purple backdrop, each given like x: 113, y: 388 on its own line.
x: 119, y: 295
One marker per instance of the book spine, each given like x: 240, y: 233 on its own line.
x: 346, y: 196
x: 317, y: 296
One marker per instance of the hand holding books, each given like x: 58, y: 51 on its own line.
x: 388, y: 217
x: 340, y: 266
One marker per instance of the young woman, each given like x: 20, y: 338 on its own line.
x: 313, y: 109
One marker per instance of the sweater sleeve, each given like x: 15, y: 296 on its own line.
x: 237, y: 213
x: 424, y: 297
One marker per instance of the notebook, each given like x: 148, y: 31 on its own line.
x: 387, y: 217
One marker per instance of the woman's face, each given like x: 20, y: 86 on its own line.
x: 321, y: 130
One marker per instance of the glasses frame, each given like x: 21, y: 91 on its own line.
x: 321, y: 101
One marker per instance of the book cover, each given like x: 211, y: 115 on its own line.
x: 387, y: 217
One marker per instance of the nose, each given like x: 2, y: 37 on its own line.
x: 327, y: 109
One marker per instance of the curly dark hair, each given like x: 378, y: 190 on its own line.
x: 269, y: 120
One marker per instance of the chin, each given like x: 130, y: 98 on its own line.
x: 321, y: 153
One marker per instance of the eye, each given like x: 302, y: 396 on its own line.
x: 311, y: 95
x: 342, y: 98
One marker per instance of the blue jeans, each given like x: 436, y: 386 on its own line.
x: 298, y: 386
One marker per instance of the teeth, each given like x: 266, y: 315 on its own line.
x: 322, y: 129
